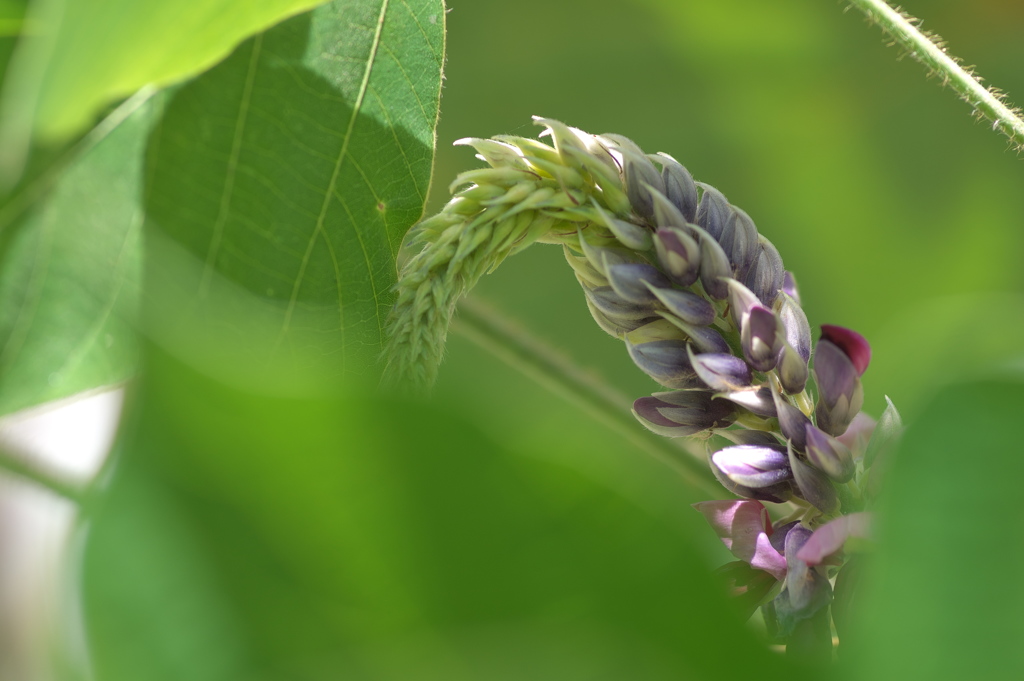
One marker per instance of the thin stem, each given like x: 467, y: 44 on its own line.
x: 930, y: 51
x: 10, y: 463
x: 536, y: 359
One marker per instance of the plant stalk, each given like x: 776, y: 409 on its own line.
x: 986, y: 102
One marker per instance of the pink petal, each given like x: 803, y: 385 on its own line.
x: 854, y: 345
x: 744, y: 528
x: 831, y: 536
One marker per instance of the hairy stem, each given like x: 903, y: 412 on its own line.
x: 930, y: 52
x: 14, y: 465
x: 516, y: 346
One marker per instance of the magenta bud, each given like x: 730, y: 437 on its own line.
x: 840, y: 393
x: 761, y: 338
x: 829, y: 455
x: 850, y: 342
x: 632, y: 281
x: 678, y: 254
x: 721, y: 372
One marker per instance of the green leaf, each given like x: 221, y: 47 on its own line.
x: 70, y: 275
x: 269, y: 538
x: 283, y: 180
x: 92, y: 52
x: 943, y: 597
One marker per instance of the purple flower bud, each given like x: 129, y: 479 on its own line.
x: 887, y: 432
x: 792, y: 370
x: 714, y: 267
x: 689, y: 307
x: 713, y: 212
x: 776, y: 494
x: 850, y: 342
x: 792, y: 421
x: 813, y: 485
x: 753, y: 466
x: 704, y: 338
x: 678, y: 254
x: 829, y: 455
x: 840, y: 393
x: 757, y: 401
x: 666, y: 213
x: 798, y: 331
x: 761, y: 338
x: 679, y: 187
x: 789, y: 286
x: 683, y: 412
x: 631, y: 281
x: 721, y: 372
x: 667, y: 362
x: 741, y: 301
x: 744, y: 528
x: 638, y: 171
x: 739, y: 241
x: 766, y: 274
x: 615, y: 306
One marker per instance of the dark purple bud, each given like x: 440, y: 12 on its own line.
x: 753, y: 466
x: 638, y: 171
x: 792, y: 369
x: 761, y: 338
x: 757, y: 401
x: 766, y: 274
x: 682, y: 413
x: 678, y: 254
x: 667, y: 362
x: 886, y: 434
x: 743, y: 436
x: 744, y: 528
x: 615, y: 306
x: 679, y: 187
x: 829, y: 455
x: 704, y: 338
x: 840, y: 393
x: 721, y: 372
x: 631, y: 281
x: 813, y: 485
x: 776, y: 494
x: 666, y: 214
x: 789, y: 286
x: 792, y: 421
x: 615, y: 327
x: 689, y: 307
x: 713, y: 212
x: 739, y: 241
x: 798, y: 331
x: 779, y: 534
x: 850, y: 342
x: 741, y: 301
x: 714, y: 267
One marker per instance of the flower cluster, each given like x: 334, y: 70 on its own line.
x: 707, y: 309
